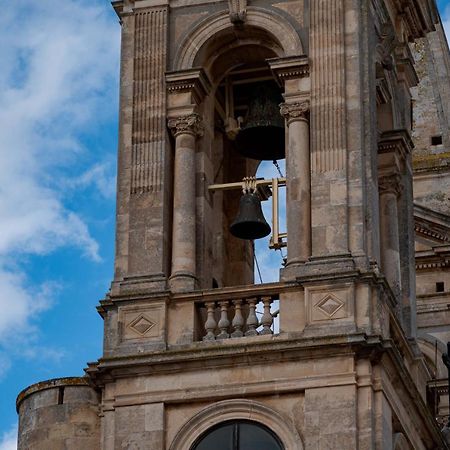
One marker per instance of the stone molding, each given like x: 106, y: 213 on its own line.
x: 189, y: 124
x: 289, y: 68
x: 398, y: 141
x: 270, y: 21
x: 295, y: 111
x: 194, y: 81
x: 237, y: 410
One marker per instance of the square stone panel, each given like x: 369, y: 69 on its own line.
x: 329, y: 302
x: 329, y: 305
x: 141, y: 322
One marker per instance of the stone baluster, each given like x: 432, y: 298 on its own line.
x: 252, y: 319
x: 298, y: 182
x: 210, y: 324
x: 238, y: 320
x: 266, y: 319
x: 224, y: 323
x: 185, y: 129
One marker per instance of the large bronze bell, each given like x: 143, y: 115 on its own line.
x: 262, y: 134
x: 250, y: 222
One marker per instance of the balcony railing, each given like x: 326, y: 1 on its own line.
x: 239, y: 314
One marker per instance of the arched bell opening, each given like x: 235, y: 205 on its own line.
x: 245, y: 108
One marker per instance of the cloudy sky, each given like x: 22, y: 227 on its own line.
x: 58, y: 128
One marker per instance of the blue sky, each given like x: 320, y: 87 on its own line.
x: 58, y: 129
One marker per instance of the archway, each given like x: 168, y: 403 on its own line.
x: 238, y: 435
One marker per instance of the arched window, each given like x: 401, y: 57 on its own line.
x: 238, y: 435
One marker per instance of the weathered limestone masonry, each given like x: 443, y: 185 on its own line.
x: 328, y: 357
x: 431, y: 164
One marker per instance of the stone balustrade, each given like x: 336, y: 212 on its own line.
x: 239, y: 317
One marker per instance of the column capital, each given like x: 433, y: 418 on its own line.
x: 390, y: 183
x: 295, y: 111
x: 188, y: 124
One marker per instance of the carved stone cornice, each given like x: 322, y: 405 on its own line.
x: 398, y: 141
x: 289, y: 67
x: 295, y: 111
x: 193, y: 81
x: 189, y: 124
x: 390, y: 184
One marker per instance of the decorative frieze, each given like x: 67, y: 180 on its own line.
x: 189, y: 124
x: 149, y: 100
x: 295, y: 111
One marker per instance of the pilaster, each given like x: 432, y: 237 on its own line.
x: 144, y: 178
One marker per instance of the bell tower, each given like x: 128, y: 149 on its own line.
x: 198, y: 355
x: 208, y: 90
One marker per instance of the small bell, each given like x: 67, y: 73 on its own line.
x: 250, y: 222
x: 262, y: 135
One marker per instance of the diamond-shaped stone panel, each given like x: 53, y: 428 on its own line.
x: 329, y: 305
x: 142, y: 325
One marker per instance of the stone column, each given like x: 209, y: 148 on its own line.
x: 185, y: 130
x: 298, y: 182
x: 390, y: 188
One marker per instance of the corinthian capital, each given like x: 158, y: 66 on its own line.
x: 190, y: 124
x: 390, y: 184
x: 295, y: 111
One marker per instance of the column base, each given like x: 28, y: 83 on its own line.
x: 139, y: 284
x: 318, y: 266
x: 183, y: 282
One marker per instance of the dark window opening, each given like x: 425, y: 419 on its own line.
x: 238, y: 435
x: 440, y: 287
x: 60, y: 396
x: 436, y: 140
x: 215, y: 284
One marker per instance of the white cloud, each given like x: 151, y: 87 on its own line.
x: 101, y: 176
x: 9, y: 439
x: 59, y: 70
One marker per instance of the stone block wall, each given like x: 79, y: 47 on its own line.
x: 59, y: 414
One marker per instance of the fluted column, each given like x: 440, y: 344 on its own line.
x: 185, y: 129
x: 390, y: 188
x: 298, y: 182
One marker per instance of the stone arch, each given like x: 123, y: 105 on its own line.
x: 271, y: 22
x: 426, y: 343
x: 236, y: 410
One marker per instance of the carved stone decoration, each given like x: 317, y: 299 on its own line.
x: 295, y: 111
x: 387, y: 46
x: 142, y: 325
x: 238, y: 11
x: 190, y: 124
x: 329, y: 305
x: 390, y: 184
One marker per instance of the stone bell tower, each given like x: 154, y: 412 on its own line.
x: 192, y: 358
